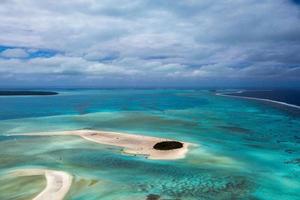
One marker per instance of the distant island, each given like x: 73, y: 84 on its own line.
x: 24, y: 92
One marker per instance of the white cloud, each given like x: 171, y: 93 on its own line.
x: 14, y: 53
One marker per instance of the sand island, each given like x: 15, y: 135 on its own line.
x: 58, y: 183
x: 150, y: 147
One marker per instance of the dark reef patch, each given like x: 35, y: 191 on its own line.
x: 168, y: 145
x: 201, y: 188
x: 236, y: 129
x: 295, y: 161
x: 290, y: 151
x: 296, y: 139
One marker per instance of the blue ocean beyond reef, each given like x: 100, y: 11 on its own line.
x: 247, y: 149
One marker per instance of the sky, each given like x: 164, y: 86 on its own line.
x: 150, y: 43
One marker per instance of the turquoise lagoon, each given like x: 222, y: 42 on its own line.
x: 247, y: 150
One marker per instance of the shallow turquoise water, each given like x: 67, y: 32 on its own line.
x: 247, y: 150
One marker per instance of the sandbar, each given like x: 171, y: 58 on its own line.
x: 131, y: 143
x: 58, y: 183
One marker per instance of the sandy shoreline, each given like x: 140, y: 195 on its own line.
x: 58, y: 183
x: 131, y: 143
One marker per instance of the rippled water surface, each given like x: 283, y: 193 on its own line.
x: 247, y: 150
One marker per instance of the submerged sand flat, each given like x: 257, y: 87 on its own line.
x: 131, y: 143
x: 58, y: 183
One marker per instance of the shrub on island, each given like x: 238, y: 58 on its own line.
x: 168, y: 145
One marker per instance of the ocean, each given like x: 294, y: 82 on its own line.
x: 246, y: 149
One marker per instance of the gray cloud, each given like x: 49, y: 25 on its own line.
x: 164, y: 41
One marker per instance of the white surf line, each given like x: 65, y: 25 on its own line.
x: 259, y: 99
x: 58, y: 183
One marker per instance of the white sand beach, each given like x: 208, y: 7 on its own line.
x: 131, y: 143
x: 58, y: 183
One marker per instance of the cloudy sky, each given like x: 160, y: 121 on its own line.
x: 140, y: 43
